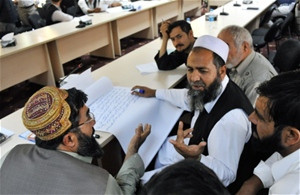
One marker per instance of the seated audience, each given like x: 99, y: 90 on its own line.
x: 185, y: 177
x: 247, y: 68
x: 8, y: 17
x: 276, y: 116
x: 60, y: 161
x: 25, y: 8
x: 93, y: 6
x: 54, y: 14
x: 284, y: 7
x: 220, y: 116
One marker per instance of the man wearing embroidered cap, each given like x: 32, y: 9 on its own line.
x: 220, y: 127
x: 60, y: 162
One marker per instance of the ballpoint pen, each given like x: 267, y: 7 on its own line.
x: 142, y: 91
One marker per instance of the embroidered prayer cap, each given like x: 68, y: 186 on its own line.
x: 46, y: 113
x: 213, y: 44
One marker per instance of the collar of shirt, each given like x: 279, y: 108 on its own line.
x: 244, y: 64
x: 287, y: 164
x: 86, y: 159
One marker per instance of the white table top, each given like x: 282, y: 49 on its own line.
x: 237, y: 16
x: 123, y: 71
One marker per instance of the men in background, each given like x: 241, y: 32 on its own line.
x: 25, y: 8
x: 220, y: 116
x: 89, y: 6
x: 182, y: 37
x: 276, y: 117
x: 93, y: 6
x: 59, y: 163
x: 53, y: 13
x: 8, y: 17
x: 247, y: 68
x: 185, y: 177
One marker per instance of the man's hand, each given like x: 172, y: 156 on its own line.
x: 143, y: 91
x: 138, y: 139
x: 251, y: 186
x: 97, y: 10
x: 115, y: 4
x: 187, y: 151
x: 164, y: 29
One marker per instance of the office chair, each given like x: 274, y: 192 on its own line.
x: 260, y: 41
x: 267, y: 16
x: 287, y: 57
x: 36, y: 21
x: 286, y: 25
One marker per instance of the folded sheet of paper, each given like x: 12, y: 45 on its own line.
x: 147, y: 68
x: 119, y: 112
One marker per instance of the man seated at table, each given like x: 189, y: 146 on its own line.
x: 276, y: 117
x: 220, y: 116
x: 60, y: 162
x: 181, y: 34
x: 53, y: 13
x: 8, y: 17
x: 26, y: 8
x: 247, y: 68
x: 94, y: 6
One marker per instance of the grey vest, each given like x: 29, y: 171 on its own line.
x: 29, y: 169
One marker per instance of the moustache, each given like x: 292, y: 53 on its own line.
x: 197, y: 84
x: 179, y: 45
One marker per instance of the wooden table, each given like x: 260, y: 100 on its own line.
x: 27, y: 60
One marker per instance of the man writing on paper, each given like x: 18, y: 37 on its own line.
x: 60, y: 162
x: 276, y: 116
x: 182, y: 37
x: 220, y: 117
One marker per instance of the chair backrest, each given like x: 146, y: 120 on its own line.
x: 287, y: 22
x: 267, y: 16
x: 274, y: 31
x: 36, y: 21
x: 287, y: 57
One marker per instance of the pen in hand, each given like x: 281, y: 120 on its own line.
x: 142, y: 91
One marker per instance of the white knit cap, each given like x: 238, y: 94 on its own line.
x: 213, y: 44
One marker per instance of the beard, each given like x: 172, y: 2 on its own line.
x: 266, y: 146
x: 88, y: 146
x: 200, y: 98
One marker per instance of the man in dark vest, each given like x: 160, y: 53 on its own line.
x: 60, y: 161
x: 220, y: 125
x: 54, y: 14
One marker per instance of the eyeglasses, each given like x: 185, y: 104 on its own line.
x: 91, y: 117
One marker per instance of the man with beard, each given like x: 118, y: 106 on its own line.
x: 276, y: 117
x: 220, y: 111
x: 182, y: 37
x: 247, y: 68
x: 60, y: 162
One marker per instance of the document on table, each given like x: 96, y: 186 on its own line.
x: 118, y: 112
x: 147, y: 68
